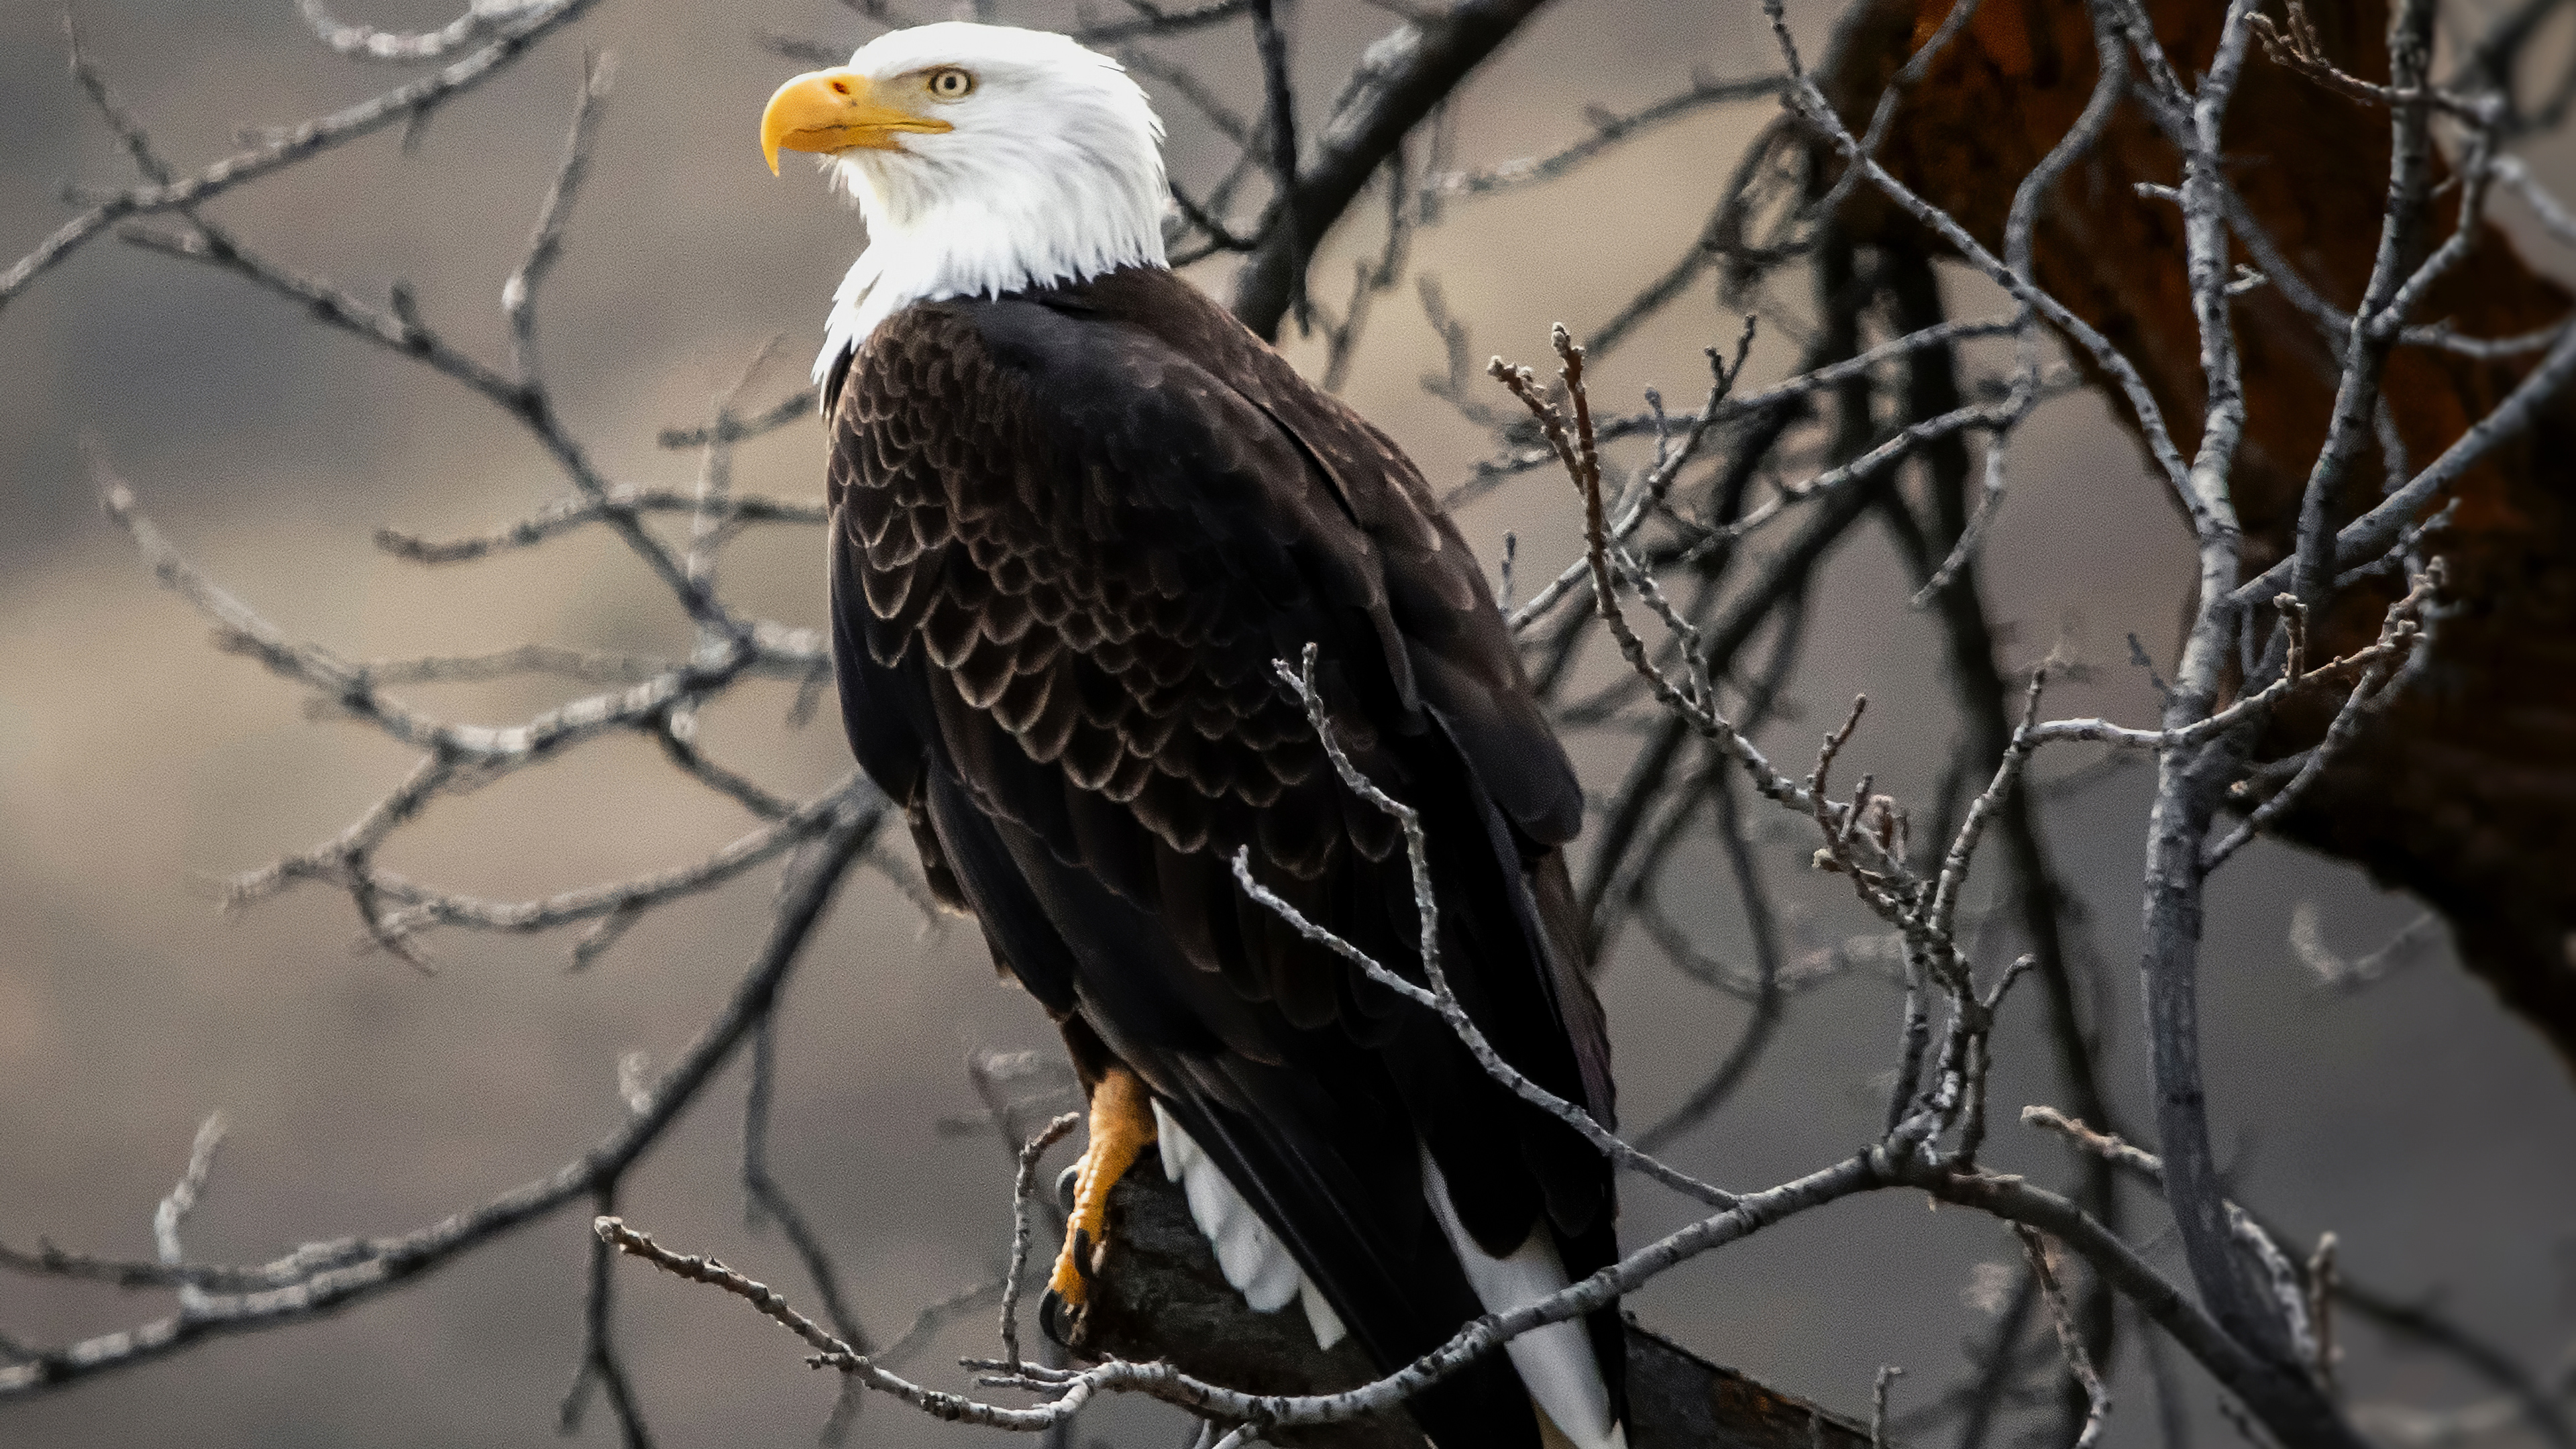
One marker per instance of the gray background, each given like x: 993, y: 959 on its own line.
x: 137, y: 765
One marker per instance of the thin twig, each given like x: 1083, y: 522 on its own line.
x: 322, y: 1278
x: 2061, y: 1315
x: 289, y: 145
x: 1023, y: 1186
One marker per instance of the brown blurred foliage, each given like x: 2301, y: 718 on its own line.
x: 2463, y: 791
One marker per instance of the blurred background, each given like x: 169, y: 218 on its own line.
x: 138, y: 767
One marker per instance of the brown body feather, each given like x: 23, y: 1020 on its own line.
x: 1072, y: 530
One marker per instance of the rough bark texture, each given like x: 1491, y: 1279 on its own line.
x: 2465, y: 791
x: 1159, y: 1295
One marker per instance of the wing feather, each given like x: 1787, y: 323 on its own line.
x: 1071, y: 532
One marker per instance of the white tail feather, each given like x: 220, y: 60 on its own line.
x: 1555, y: 1361
x: 1247, y: 1252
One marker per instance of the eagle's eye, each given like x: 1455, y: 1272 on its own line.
x: 950, y: 83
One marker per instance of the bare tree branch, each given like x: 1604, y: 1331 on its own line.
x: 511, y: 38
x: 325, y: 1277
x: 2071, y: 1342
x: 1398, y: 82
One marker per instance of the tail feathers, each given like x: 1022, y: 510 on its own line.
x: 1250, y: 1255
x: 1555, y: 1361
x: 1552, y: 1437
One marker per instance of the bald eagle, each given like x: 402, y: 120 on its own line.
x: 1077, y: 510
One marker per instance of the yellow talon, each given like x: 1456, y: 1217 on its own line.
x: 1122, y: 1122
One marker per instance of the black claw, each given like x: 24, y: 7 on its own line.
x: 1059, y: 1320
x: 1065, y: 1183
x: 1051, y: 1315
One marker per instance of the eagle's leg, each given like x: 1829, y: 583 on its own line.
x: 1122, y: 1123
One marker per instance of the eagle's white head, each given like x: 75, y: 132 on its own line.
x: 985, y: 158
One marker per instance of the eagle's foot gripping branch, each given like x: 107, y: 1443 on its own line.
x: 1122, y: 1124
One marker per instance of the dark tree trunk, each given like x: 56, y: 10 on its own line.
x: 2464, y: 791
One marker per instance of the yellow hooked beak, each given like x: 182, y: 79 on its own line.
x: 834, y: 110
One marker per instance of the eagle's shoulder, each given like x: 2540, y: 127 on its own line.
x: 1443, y: 632
x: 1074, y: 379
x: 1128, y: 432
x: 1374, y: 481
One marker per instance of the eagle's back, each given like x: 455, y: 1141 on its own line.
x: 1072, y: 530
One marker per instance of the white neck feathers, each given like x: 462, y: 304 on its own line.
x: 1053, y: 173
